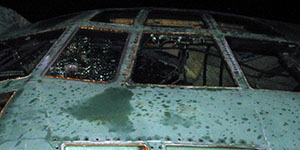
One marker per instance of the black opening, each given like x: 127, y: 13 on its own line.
x: 117, y: 16
x: 268, y: 65
x: 165, y: 18
x: 180, y: 60
x: 18, y: 57
x: 91, y: 54
x: 233, y: 23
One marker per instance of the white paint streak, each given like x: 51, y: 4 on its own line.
x: 262, y: 129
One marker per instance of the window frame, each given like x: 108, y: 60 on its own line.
x: 46, y: 54
x: 271, y: 31
x: 201, y: 14
x: 116, y: 24
x: 243, y: 74
x: 129, y: 82
x: 118, y: 69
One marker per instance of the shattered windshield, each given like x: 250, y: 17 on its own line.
x: 18, y: 57
x: 180, y: 60
x: 91, y: 55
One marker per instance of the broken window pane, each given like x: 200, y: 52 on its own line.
x: 233, y: 23
x: 268, y: 65
x: 180, y: 60
x: 164, y: 18
x: 4, y: 100
x: 90, y: 56
x: 18, y: 57
x: 117, y: 16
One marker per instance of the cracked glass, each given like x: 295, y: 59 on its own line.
x: 91, y: 55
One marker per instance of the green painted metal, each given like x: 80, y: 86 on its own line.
x: 200, y: 148
x: 46, y: 112
x: 101, y: 148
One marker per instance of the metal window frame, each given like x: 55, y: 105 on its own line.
x: 49, y: 50
x: 138, y: 27
x: 116, y: 24
x: 244, y: 76
x: 128, y: 81
x: 202, y: 19
x: 71, y: 36
x: 256, y: 21
x: 105, y: 143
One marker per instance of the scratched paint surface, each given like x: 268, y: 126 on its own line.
x: 46, y: 112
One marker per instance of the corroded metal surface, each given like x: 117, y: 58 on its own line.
x: 49, y: 113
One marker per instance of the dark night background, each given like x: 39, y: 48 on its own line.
x: 281, y: 10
